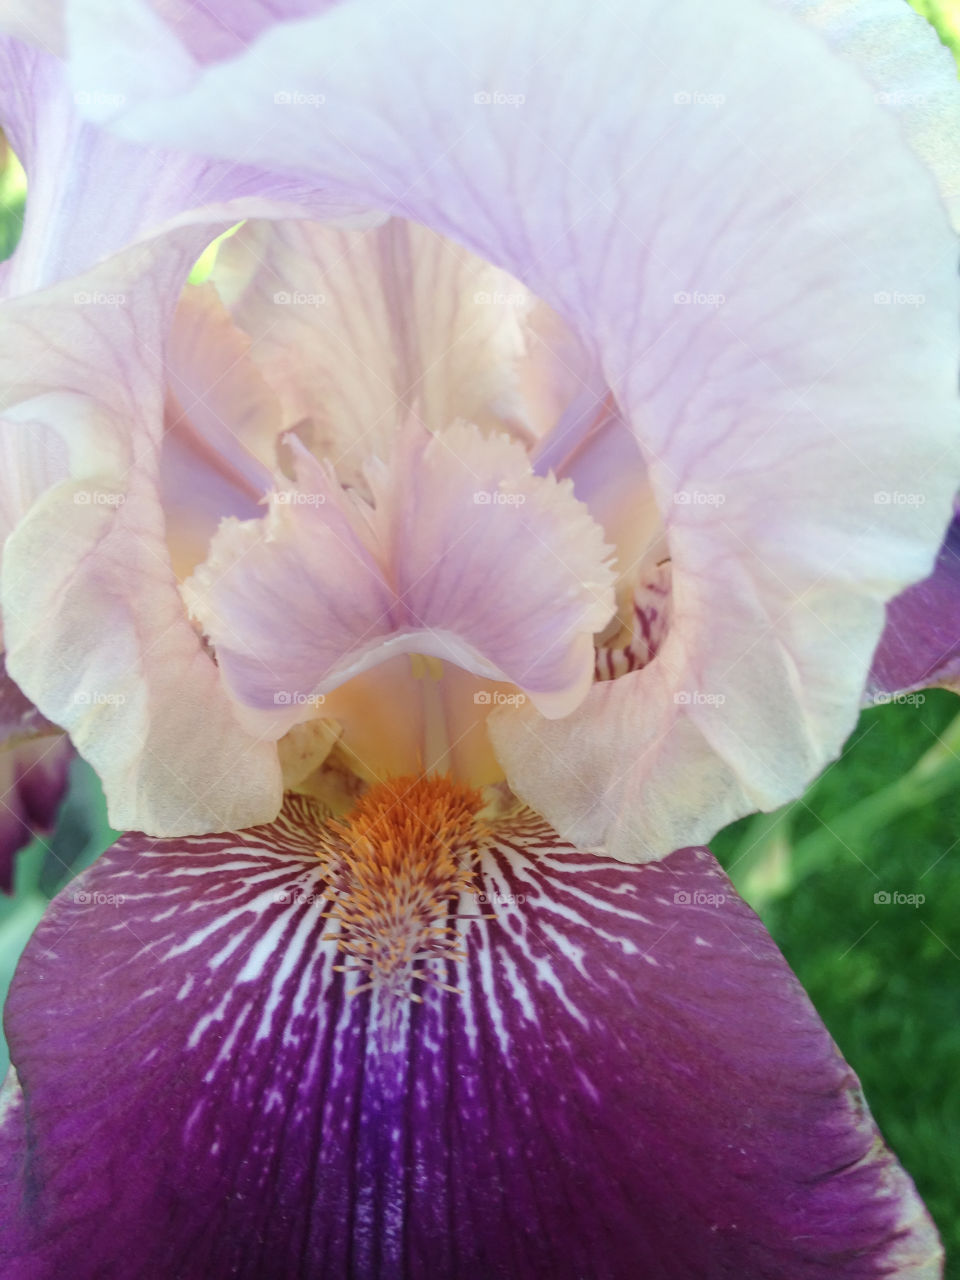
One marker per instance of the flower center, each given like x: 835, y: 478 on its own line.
x: 398, y: 865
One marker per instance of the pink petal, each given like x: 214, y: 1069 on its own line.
x: 913, y: 73
x: 95, y: 629
x: 705, y: 171
x: 92, y: 193
x: 593, y: 446
x: 463, y: 555
x: 221, y: 423
x: 32, y: 459
x: 37, y: 22
x: 208, y: 33
x: 360, y: 329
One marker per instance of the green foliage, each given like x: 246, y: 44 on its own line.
x: 945, y: 17
x: 42, y: 870
x: 884, y: 976
x: 12, y: 204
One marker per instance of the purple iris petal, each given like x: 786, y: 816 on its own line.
x: 34, y: 766
x: 19, y: 718
x: 631, y: 1083
x: 920, y: 644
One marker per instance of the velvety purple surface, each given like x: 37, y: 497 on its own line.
x: 920, y: 644
x: 632, y: 1083
x: 19, y: 718
x: 34, y: 767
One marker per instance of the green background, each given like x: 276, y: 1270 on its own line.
x: 885, y: 817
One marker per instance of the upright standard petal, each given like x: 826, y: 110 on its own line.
x: 360, y: 329
x: 768, y: 279
x: 91, y: 193
x: 209, y: 1089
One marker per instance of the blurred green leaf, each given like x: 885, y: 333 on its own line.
x: 885, y: 976
x: 13, y: 198
x: 944, y: 15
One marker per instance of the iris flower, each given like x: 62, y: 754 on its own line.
x: 517, y: 502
